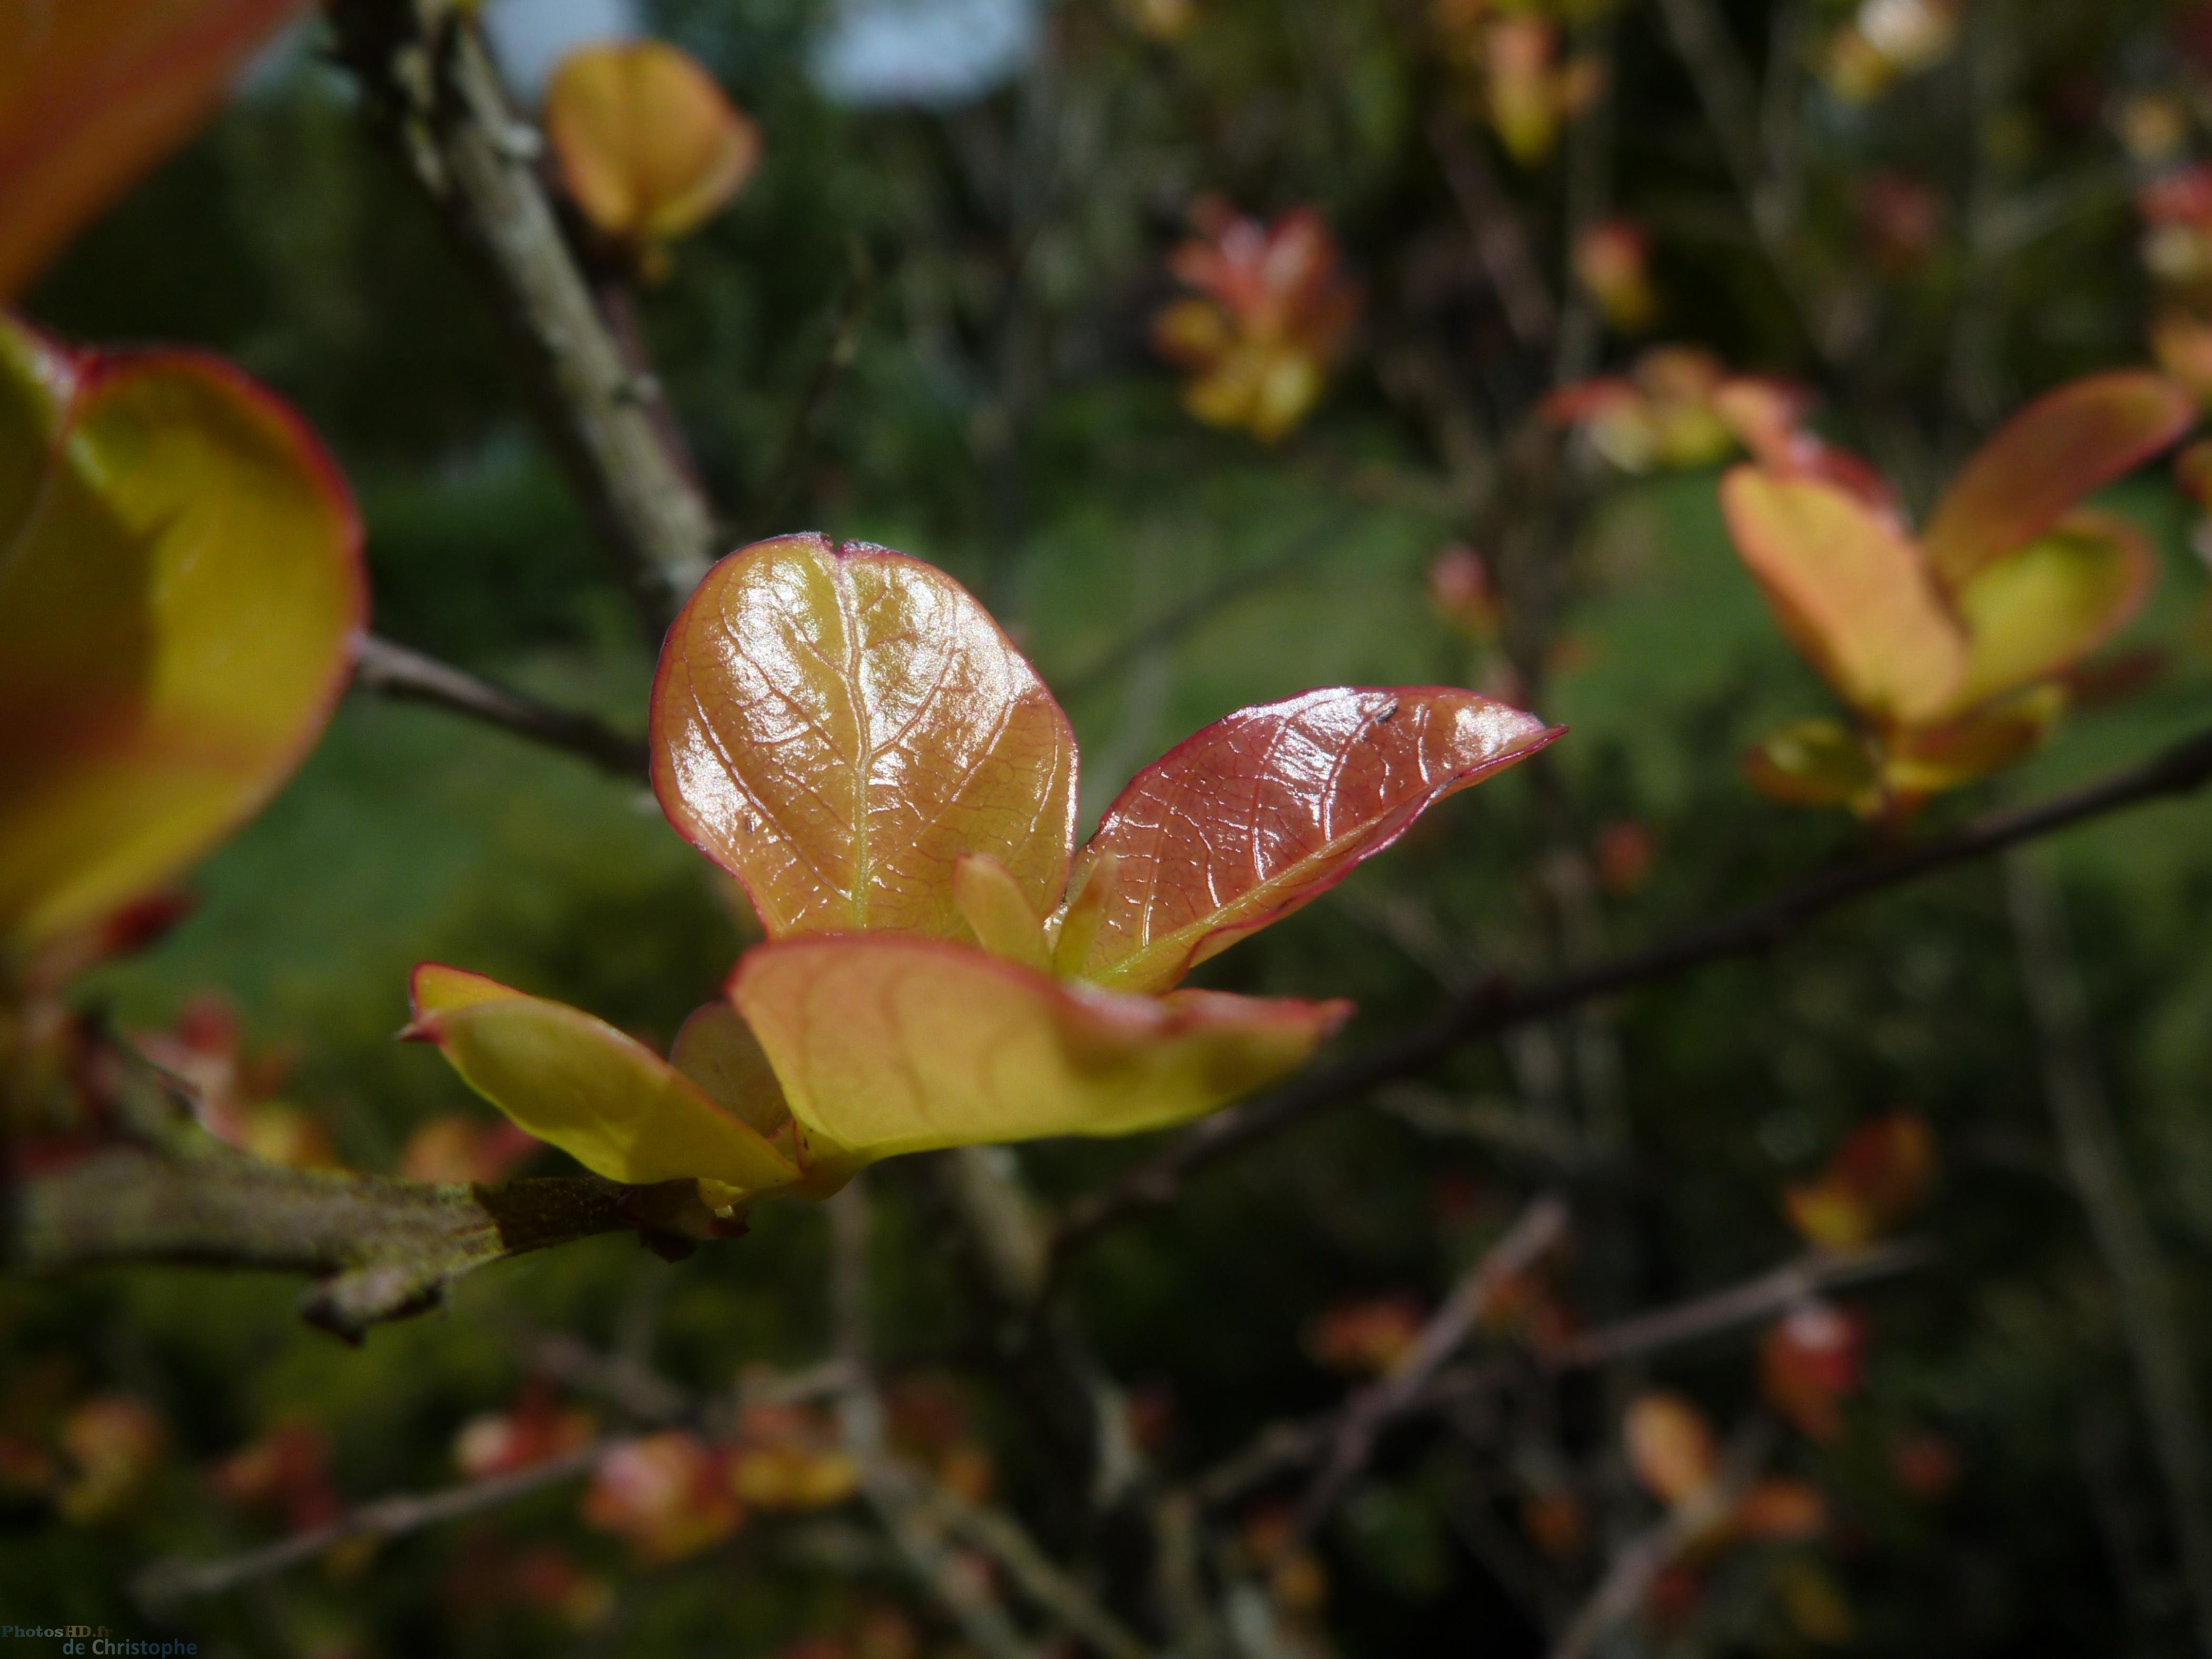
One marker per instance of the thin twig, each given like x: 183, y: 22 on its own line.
x: 1501, y: 242
x: 430, y: 84
x: 2090, y: 1141
x: 1488, y: 1009
x: 1628, y: 1580
x: 837, y: 354
x: 394, y: 671
x: 1540, y: 1226
x: 166, y: 1582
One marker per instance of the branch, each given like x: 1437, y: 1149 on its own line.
x: 1541, y: 1225
x: 1501, y: 240
x: 427, y: 79
x: 2090, y: 1140
x: 380, y: 1248
x: 168, y: 1582
x: 1498, y: 1005
x: 394, y: 671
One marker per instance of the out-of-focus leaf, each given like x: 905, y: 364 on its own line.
x: 93, y: 93
x: 2034, y: 612
x: 180, y: 588
x: 1781, y: 1510
x: 1670, y: 1448
x: 1808, y: 1365
x: 890, y: 1045
x: 1263, y: 811
x: 834, y: 725
x: 1850, y: 592
x: 2045, y: 460
x: 1813, y: 762
x: 1885, y: 1170
x: 1930, y: 759
x: 605, y: 1099
x: 647, y: 146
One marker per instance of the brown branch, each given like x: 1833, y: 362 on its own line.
x: 1501, y: 240
x: 427, y: 79
x: 1769, y: 1295
x: 167, y: 1582
x: 379, y: 1248
x: 1495, y: 1006
x: 394, y: 671
x: 1540, y: 1226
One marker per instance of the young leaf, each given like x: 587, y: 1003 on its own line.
x: 717, y: 1051
x: 1813, y: 762
x: 1850, y: 592
x: 2037, y: 611
x: 93, y: 93
x: 605, y: 1099
x: 834, y: 725
x: 647, y: 146
x: 1929, y: 759
x: 2044, y: 460
x: 179, y: 594
x: 997, y: 914
x: 1670, y: 1448
x: 1262, y: 813
x: 890, y: 1045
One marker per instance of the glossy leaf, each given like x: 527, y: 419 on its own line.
x: 2036, y: 612
x: 647, y: 146
x: 605, y: 1099
x: 93, y: 93
x: 1850, y: 592
x: 835, y: 725
x: 2044, y: 460
x: 890, y: 1045
x: 1262, y: 813
x: 180, y: 588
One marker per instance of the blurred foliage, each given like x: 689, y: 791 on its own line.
x: 1003, y: 417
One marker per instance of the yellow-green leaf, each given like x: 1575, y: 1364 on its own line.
x: 2043, y: 461
x: 604, y: 1099
x: 1813, y: 762
x: 1850, y: 592
x: 93, y: 93
x: 890, y: 1045
x: 2037, y: 611
x: 835, y: 725
x: 1264, y: 812
x: 717, y: 1051
x: 1934, y: 759
x: 181, y: 589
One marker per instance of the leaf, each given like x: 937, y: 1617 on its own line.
x: 180, y: 588
x: 1264, y: 812
x: 2036, y: 612
x: 1930, y: 759
x: 2044, y: 460
x: 1813, y: 762
x: 997, y: 914
x: 647, y: 146
x: 835, y: 725
x: 93, y: 93
x: 717, y: 1051
x: 604, y: 1099
x: 890, y: 1045
x: 1670, y: 1448
x: 1850, y: 592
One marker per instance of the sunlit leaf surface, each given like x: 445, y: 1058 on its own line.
x: 95, y: 92
x: 2039, y: 610
x: 836, y: 726
x: 180, y: 592
x: 1265, y: 811
x: 890, y: 1045
x: 2045, y: 460
x: 605, y: 1099
x: 1851, y: 592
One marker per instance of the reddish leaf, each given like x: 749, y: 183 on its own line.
x: 2045, y: 460
x: 835, y: 725
x: 1264, y: 812
x: 93, y: 93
